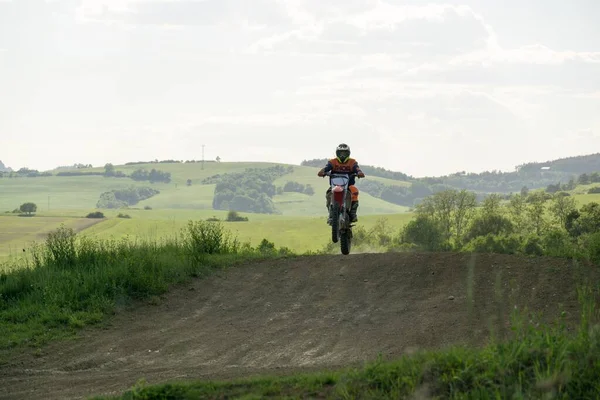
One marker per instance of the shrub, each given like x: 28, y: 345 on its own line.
x: 492, y: 224
x: 490, y: 243
x: 533, y: 246
x: 557, y: 243
x: 233, y: 216
x: 425, y: 233
x: 266, y: 247
x: 204, y: 238
x: 591, y: 246
x: 95, y: 214
x: 121, y: 215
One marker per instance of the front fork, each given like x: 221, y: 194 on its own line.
x: 337, y: 197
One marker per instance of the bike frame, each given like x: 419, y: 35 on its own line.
x: 340, y: 193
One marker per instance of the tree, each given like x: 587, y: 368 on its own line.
x: 516, y: 209
x: 491, y: 205
x: 424, y: 232
x: 28, y: 208
x: 309, y: 190
x: 465, y: 206
x: 561, y: 207
x: 109, y: 169
x: 584, y: 179
x: 450, y: 209
x: 535, y: 211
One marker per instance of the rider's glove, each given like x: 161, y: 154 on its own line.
x: 361, y: 174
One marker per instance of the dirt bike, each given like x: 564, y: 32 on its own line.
x: 339, y: 211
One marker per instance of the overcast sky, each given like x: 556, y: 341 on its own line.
x: 421, y: 87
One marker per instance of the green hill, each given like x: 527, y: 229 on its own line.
x: 73, y: 193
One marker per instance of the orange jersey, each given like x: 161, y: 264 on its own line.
x: 337, y: 167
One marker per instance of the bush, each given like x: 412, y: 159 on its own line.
x: 557, y: 243
x: 233, y: 216
x: 95, y: 214
x: 123, y: 215
x: 533, y: 246
x: 490, y: 243
x: 425, y: 233
x: 591, y: 247
x: 493, y: 224
x: 147, y: 208
x: 206, y: 238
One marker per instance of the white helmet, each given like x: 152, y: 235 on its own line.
x: 343, y: 152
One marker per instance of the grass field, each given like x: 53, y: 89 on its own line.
x: 17, y: 233
x: 61, y: 194
x: 298, y: 233
x: 300, y: 224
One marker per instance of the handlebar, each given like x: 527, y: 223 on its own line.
x: 353, y: 174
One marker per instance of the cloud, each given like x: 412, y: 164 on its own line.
x: 377, y: 27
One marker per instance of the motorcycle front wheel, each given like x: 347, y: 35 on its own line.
x: 335, y: 222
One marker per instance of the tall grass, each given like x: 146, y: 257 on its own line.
x: 69, y: 282
x: 538, y: 362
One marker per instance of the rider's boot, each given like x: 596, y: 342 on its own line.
x: 353, y: 209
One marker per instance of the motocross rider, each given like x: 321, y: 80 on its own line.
x: 343, y: 164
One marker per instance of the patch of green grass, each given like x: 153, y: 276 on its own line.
x: 537, y: 362
x: 56, y: 193
x: 583, y: 199
x: 300, y: 234
x: 71, y: 282
x: 18, y: 233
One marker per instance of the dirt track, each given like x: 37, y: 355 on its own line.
x: 298, y: 314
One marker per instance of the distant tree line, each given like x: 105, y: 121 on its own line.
x: 24, y: 172
x: 583, y: 179
x: 123, y: 198
x: 218, y: 159
x: 408, y: 196
x: 152, y: 176
x: 367, y: 169
x: 297, y: 187
x: 572, y: 165
x: 529, y: 175
x: 248, y: 191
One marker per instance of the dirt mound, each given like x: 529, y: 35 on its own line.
x: 300, y: 314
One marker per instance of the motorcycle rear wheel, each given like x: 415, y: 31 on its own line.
x: 345, y: 242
